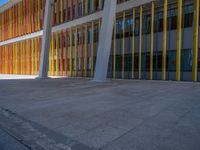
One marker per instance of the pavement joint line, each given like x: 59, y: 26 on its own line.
x: 16, y: 138
x: 35, y: 136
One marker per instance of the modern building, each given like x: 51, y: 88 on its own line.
x: 152, y: 40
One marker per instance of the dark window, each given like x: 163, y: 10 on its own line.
x: 171, y: 60
x: 136, y: 62
x: 119, y: 63
x: 198, y: 60
x: 69, y: 13
x: 127, y: 62
x: 137, y: 26
x: 160, y: 25
x: 147, y: 61
x: 147, y: 24
x: 173, y: 23
x: 159, y: 61
x: 186, y: 60
x: 188, y: 20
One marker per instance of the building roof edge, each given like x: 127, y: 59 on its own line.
x: 9, y: 4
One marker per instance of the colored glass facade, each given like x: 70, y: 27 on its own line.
x: 158, y: 40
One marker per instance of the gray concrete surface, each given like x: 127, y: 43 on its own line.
x: 7, y: 142
x: 116, y: 115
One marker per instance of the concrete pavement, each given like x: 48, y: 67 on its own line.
x: 7, y: 142
x: 116, y: 115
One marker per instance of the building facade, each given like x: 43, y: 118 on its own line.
x: 152, y: 40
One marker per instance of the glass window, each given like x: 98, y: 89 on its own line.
x: 127, y: 62
x: 198, y: 60
x: 171, y: 60
x: 158, y: 61
x: 160, y: 22
x: 186, y: 60
x: 119, y: 63
x: 173, y: 23
x: 137, y: 26
x: 136, y: 62
x: 147, y: 24
x: 188, y: 20
x: 69, y: 14
x: 119, y: 28
x: 79, y: 9
x: 188, y: 15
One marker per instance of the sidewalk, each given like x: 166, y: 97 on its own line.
x: 115, y: 115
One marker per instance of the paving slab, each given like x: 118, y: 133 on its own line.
x: 7, y: 142
x: 118, y: 114
x: 35, y: 136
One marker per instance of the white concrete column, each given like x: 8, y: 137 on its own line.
x: 105, y: 40
x: 46, y: 39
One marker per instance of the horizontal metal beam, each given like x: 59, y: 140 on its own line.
x: 130, y: 4
x: 95, y: 16
x: 22, y: 38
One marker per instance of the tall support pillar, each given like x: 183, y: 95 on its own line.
x: 179, y: 41
x: 140, y: 46
x: 152, y: 40
x: 71, y: 9
x: 86, y: 52
x: 195, y: 41
x: 92, y: 51
x: 82, y: 7
x: 66, y: 52
x: 66, y: 5
x: 86, y: 7
x: 57, y: 54
x: 76, y: 54
x: 44, y: 67
x: 164, y: 52
x: 133, y: 45
x: 71, y: 52
x: 61, y: 10
x: 105, y: 40
x: 82, y: 49
x: 123, y: 44
x: 61, y: 53
x: 114, y: 50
